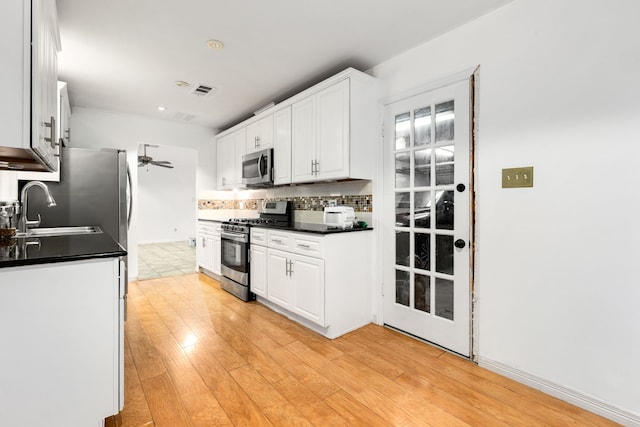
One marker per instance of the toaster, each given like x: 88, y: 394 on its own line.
x: 339, y: 217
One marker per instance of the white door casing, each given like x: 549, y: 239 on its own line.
x: 426, y: 156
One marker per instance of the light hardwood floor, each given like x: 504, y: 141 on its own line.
x: 197, y: 356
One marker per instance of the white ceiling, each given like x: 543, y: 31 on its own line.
x: 125, y: 55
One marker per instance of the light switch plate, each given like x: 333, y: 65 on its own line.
x: 517, y: 177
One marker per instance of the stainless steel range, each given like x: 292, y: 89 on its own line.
x: 234, y: 253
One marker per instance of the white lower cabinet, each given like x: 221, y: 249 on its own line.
x: 296, y: 282
x: 307, y: 287
x: 62, y: 329
x: 258, y: 272
x: 208, y: 246
x: 320, y: 281
x: 279, y: 285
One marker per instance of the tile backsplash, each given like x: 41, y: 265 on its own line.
x: 359, y: 202
x: 309, y: 198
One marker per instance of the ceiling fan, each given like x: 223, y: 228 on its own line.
x: 145, y: 160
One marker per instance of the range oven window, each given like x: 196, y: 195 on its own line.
x: 234, y: 255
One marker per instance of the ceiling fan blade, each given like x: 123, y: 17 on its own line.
x: 166, y: 162
x: 141, y: 164
x: 162, y: 164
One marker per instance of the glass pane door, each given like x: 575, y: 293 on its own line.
x: 428, y: 146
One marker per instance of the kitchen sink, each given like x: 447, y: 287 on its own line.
x: 60, y: 231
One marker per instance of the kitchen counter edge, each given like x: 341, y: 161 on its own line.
x: 55, y: 249
x: 307, y: 227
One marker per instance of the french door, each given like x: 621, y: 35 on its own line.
x: 427, y: 216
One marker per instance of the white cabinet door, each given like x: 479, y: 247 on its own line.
x: 332, y: 150
x: 278, y: 279
x: 260, y: 135
x: 61, y: 321
x: 215, y: 263
x: 259, y: 270
x: 303, y: 140
x: 224, y: 162
x: 44, y: 81
x: 63, y: 130
x: 209, y: 252
x: 240, y: 149
x: 14, y: 104
x: 308, y: 287
x: 200, y: 250
x: 282, y: 147
x: 320, y: 135
x: 29, y: 34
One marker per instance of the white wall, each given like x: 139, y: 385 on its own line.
x: 94, y: 128
x: 167, y: 201
x: 556, y: 271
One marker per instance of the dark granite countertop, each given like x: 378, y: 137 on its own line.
x: 309, y: 227
x: 51, y: 249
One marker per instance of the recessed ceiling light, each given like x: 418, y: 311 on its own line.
x: 181, y: 83
x: 162, y: 108
x: 215, y: 44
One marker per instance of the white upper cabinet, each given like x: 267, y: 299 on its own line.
x: 303, y: 129
x: 63, y: 136
x: 230, y: 149
x: 333, y: 130
x: 240, y: 150
x: 224, y: 162
x: 260, y: 134
x: 282, y: 147
x: 325, y: 133
x: 320, y: 135
x: 28, y: 109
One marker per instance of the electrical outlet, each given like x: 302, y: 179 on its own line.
x: 517, y: 177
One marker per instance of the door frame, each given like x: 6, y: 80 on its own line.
x: 380, y: 199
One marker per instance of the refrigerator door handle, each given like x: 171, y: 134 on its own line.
x: 130, y: 194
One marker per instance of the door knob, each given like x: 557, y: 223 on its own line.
x: 460, y: 188
x: 460, y: 243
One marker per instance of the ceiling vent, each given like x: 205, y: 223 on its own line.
x: 203, y: 90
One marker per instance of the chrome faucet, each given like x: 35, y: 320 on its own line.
x: 24, y: 222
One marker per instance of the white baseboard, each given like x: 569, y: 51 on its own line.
x: 586, y: 402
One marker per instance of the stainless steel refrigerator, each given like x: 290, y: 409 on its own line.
x: 94, y: 189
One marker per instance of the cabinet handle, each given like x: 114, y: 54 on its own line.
x: 52, y: 129
x: 203, y: 242
x: 317, y: 168
x: 304, y: 246
x: 257, y: 141
x: 276, y: 240
x: 286, y: 267
x: 290, y: 268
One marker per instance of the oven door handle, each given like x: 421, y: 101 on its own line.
x: 235, y: 237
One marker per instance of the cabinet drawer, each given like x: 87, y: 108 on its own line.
x: 299, y: 243
x: 208, y: 228
x: 307, y: 245
x: 258, y: 236
x: 280, y: 240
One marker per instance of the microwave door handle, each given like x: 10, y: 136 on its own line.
x: 260, y: 165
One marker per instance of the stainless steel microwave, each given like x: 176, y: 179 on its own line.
x: 257, y: 168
